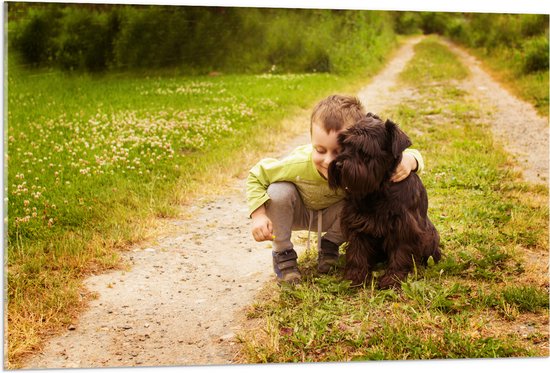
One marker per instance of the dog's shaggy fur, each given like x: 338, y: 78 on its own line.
x: 381, y: 220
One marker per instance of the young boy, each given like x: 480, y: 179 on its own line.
x: 293, y: 193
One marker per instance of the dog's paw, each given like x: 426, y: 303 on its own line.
x: 391, y: 281
x: 356, y: 277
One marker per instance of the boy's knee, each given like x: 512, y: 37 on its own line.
x: 282, y: 192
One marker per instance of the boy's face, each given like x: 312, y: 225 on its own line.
x: 325, y: 148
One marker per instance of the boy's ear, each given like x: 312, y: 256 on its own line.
x: 398, y: 139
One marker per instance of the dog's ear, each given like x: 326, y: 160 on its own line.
x: 398, y: 139
x: 335, y: 175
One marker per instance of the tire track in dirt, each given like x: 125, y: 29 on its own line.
x: 514, y: 123
x: 383, y: 92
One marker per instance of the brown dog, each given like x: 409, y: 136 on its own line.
x: 381, y: 220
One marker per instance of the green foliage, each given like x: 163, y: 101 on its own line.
x: 34, y: 36
x: 536, y: 54
x: 533, y: 24
x: 435, y: 22
x: 84, y: 42
x: 254, y: 40
x: 138, y: 43
x: 407, y: 23
x: 201, y: 39
x: 526, y: 298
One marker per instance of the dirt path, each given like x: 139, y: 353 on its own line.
x: 514, y: 123
x: 180, y: 301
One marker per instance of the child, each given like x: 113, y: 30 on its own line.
x: 293, y: 193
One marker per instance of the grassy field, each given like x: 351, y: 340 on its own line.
x: 96, y: 160
x: 487, y: 297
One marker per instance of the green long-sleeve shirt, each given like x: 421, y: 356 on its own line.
x: 297, y: 168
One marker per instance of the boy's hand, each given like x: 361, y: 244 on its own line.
x: 408, y: 164
x: 262, y: 228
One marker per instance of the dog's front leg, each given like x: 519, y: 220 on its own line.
x: 359, y: 259
x: 400, y: 263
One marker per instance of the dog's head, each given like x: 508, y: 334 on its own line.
x: 370, y: 151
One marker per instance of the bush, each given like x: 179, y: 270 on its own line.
x: 202, y: 39
x: 435, y: 22
x: 536, y: 54
x: 457, y: 29
x: 533, y: 24
x: 319, y: 62
x: 407, y: 23
x: 34, y: 36
x: 137, y: 44
x: 504, y: 31
x: 84, y: 42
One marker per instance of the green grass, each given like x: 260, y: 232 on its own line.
x: 491, y: 283
x: 86, y: 136
x: 96, y: 160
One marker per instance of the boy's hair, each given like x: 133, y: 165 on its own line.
x: 337, y: 112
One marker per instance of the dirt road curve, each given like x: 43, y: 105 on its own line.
x: 514, y: 123
x: 181, y: 299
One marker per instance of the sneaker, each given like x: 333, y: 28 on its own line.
x: 286, y: 266
x: 327, y: 257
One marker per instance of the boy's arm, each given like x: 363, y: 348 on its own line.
x: 417, y: 157
x: 264, y: 173
x: 411, y: 162
x: 262, y: 228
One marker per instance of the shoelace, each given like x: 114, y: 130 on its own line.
x: 319, y: 230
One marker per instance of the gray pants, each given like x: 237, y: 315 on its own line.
x: 288, y: 213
